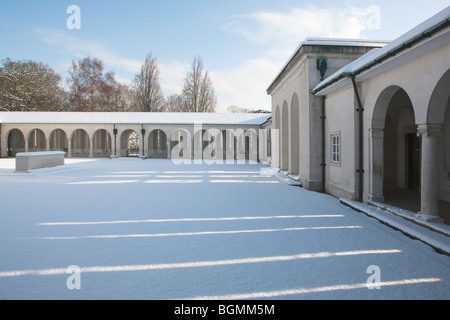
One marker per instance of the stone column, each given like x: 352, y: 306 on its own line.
x: 91, y: 146
x: 27, y: 142
x: 69, y: 148
x: 49, y: 139
x: 430, y: 173
x: 376, y: 164
x: 145, y: 138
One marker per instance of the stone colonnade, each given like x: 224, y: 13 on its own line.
x: 144, y: 140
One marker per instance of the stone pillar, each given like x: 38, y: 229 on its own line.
x: 49, y: 139
x: 376, y: 164
x: 145, y: 138
x: 430, y: 173
x: 69, y: 148
x: 27, y: 143
x: 91, y: 146
x: 169, y: 146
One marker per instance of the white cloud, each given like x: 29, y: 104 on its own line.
x: 172, y: 76
x: 81, y: 48
x: 278, y: 34
x: 290, y: 28
x: 172, y: 72
x: 244, y: 86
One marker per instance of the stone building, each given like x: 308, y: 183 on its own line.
x: 147, y: 135
x: 378, y: 128
x: 297, y: 113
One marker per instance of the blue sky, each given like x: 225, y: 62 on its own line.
x: 243, y: 43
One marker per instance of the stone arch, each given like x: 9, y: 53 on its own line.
x: 395, y: 148
x: 438, y: 129
x: 130, y: 143
x: 16, y: 142
x: 439, y: 100
x: 400, y: 139
x: 58, y: 140
x: 80, y: 143
x: 294, y: 166
x: 381, y: 106
x: 101, y: 143
x: 157, y: 144
x: 36, y: 141
x: 285, y: 137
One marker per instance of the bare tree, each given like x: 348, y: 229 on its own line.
x: 124, y: 99
x: 174, y: 103
x: 198, y: 92
x: 237, y: 109
x: 148, y: 94
x: 29, y: 86
x: 90, y: 89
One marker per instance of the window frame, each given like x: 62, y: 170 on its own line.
x: 335, y: 148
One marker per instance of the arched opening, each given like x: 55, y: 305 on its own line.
x: 396, y: 150
x: 276, y: 142
x: 36, y: 141
x: 180, y: 144
x: 436, y: 178
x: 294, y: 167
x: 402, y: 146
x: 285, y: 137
x: 16, y: 142
x: 80, y: 143
x: 157, y: 144
x: 249, y: 144
x: 129, y: 144
x: 102, y: 143
x: 58, y: 141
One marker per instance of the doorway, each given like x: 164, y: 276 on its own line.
x: 413, y: 160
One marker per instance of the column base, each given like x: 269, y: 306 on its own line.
x: 429, y: 218
x: 374, y: 198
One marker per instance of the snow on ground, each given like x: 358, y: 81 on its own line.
x: 155, y: 230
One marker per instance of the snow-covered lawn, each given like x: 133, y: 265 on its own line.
x: 155, y: 230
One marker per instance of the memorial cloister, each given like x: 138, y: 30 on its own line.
x: 166, y: 135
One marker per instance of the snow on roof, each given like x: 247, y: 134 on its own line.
x: 330, y: 42
x: 405, y: 41
x: 133, y: 118
x: 343, y: 42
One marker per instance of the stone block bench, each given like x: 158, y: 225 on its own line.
x: 37, y: 160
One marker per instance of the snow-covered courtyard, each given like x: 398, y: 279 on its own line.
x: 135, y: 229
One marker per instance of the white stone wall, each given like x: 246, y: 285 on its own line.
x: 341, y: 119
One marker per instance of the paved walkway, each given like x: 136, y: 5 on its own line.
x: 151, y: 229
x: 409, y: 199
